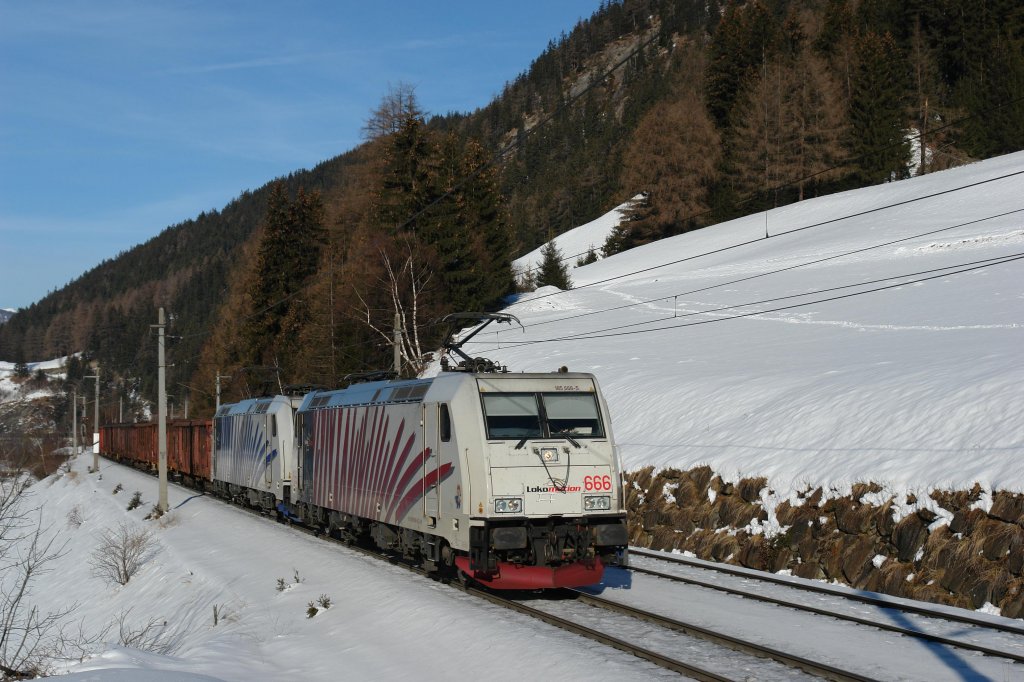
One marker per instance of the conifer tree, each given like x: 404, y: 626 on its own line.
x: 877, y: 114
x: 287, y: 257
x: 487, y: 217
x: 553, y: 271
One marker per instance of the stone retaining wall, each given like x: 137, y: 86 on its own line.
x: 974, y: 559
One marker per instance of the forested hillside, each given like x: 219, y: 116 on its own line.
x: 710, y: 109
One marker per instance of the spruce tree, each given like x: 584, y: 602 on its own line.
x: 553, y: 271
x: 877, y: 114
x: 287, y: 258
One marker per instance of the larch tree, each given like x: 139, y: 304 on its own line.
x: 672, y: 159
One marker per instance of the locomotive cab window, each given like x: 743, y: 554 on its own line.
x: 446, y: 424
x: 546, y: 415
x: 512, y: 415
x: 573, y: 413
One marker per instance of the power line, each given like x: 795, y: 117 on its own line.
x: 781, y: 234
x: 774, y: 272
x: 613, y: 331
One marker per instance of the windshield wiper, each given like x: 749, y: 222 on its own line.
x: 522, y: 443
x: 566, y: 435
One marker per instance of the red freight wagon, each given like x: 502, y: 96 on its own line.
x: 188, y: 446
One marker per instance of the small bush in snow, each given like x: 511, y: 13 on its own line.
x: 155, y: 513
x: 135, y: 501
x: 297, y: 578
x: 280, y: 585
x: 118, y: 488
x: 324, y: 601
x: 149, y: 636
x: 311, y: 610
x: 121, y: 552
x: 75, y: 517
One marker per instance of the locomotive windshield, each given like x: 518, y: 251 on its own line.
x: 541, y: 415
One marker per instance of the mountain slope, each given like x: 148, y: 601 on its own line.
x: 722, y: 347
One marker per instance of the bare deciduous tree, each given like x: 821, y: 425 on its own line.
x: 30, y: 638
x: 121, y: 552
x: 397, y: 106
x: 405, y: 285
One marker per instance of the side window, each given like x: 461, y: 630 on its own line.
x: 273, y: 425
x: 446, y: 424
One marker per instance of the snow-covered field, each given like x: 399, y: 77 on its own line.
x: 384, y: 623
x: 876, y: 335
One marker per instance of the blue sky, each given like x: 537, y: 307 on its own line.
x: 118, y: 119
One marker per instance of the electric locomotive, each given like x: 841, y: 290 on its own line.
x: 512, y: 479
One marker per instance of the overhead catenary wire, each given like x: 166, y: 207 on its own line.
x: 739, y: 280
x: 565, y: 104
x: 796, y: 230
x: 615, y: 331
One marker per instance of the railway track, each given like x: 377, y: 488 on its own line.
x: 869, y: 598
x: 689, y: 648
x: 927, y: 624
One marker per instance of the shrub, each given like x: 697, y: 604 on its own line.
x: 121, y: 552
x: 135, y: 501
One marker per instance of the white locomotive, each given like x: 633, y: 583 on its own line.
x: 510, y: 479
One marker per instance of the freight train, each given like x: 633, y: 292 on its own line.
x: 512, y: 480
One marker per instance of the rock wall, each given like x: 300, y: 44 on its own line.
x: 962, y: 556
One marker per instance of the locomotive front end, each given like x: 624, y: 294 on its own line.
x: 553, y: 513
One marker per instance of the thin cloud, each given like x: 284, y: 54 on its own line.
x: 261, y: 63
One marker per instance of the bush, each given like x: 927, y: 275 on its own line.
x: 121, y: 552
x: 75, y: 517
x: 135, y: 501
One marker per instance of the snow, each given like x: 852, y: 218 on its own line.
x: 575, y: 243
x: 12, y: 390
x: 383, y: 623
x: 916, y: 386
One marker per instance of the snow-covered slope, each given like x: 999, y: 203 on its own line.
x: 575, y: 243
x: 6, y: 313
x: 383, y: 623
x: 875, y: 335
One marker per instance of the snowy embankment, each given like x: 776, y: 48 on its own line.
x: 260, y: 577
x: 875, y: 335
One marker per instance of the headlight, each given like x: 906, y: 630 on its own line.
x: 508, y: 505
x: 548, y: 454
x: 597, y: 502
